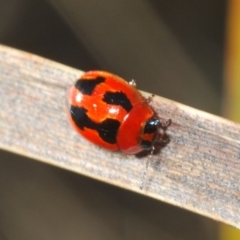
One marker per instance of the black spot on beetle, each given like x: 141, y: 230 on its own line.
x: 118, y: 98
x: 87, y: 86
x: 81, y: 119
x: 107, y: 129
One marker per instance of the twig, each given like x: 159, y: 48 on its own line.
x: 198, y: 170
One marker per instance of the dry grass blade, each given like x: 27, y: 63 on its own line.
x: 198, y: 170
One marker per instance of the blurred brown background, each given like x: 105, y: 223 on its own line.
x: 171, y: 48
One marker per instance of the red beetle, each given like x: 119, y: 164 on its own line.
x: 112, y: 113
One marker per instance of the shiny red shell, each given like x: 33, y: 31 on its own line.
x: 111, y: 113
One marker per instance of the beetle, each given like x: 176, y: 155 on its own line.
x: 112, y: 113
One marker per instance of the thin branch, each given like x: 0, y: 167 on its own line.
x: 198, y: 170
